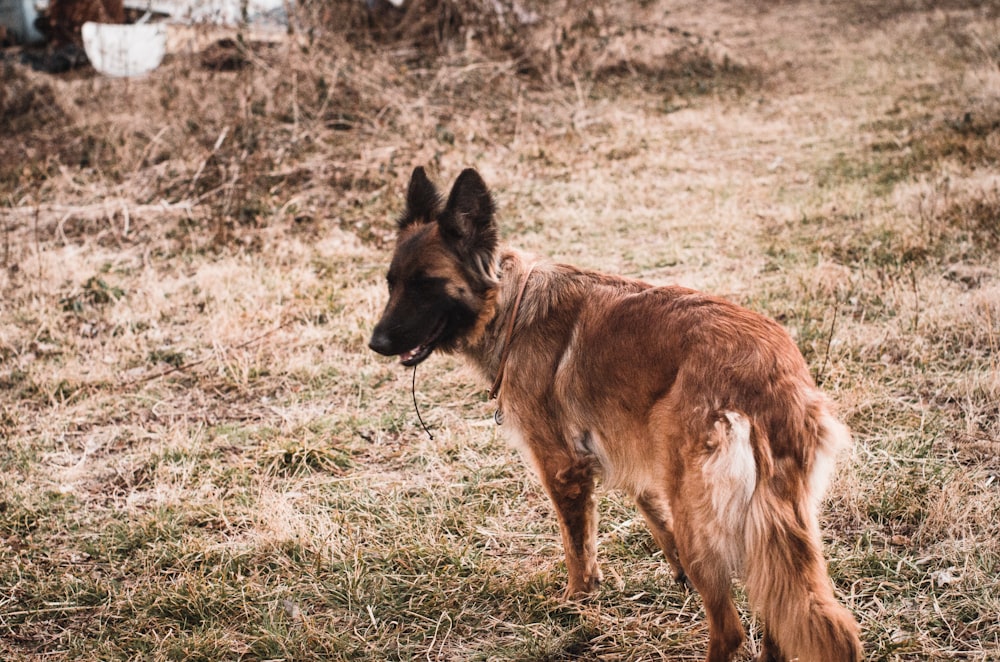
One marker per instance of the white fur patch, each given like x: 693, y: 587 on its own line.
x: 569, y: 354
x: 590, y: 444
x: 512, y: 431
x: 835, y: 438
x: 731, y: 476
x: 731, y: 466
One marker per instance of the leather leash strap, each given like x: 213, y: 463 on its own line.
x: 495, y: 391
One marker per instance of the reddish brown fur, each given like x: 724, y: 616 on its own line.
x: 66, y: 17
x: 703, y: 411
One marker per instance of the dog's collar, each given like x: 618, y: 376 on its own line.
x: 495, y: 391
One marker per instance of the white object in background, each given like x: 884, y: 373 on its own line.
x: 125, y: 50
x: 18, y: 16
x: 216, y: 12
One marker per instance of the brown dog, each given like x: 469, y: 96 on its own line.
x: 704, y: 412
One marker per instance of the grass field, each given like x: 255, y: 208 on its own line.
x: 201, y: 460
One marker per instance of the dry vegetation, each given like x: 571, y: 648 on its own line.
x: 202, y: 461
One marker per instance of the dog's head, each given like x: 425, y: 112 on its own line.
x: 442, y: 272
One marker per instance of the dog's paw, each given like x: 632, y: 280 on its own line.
x: 576, y: 594
x: 581, y: 590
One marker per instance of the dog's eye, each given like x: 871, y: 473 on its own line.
x: 420, y: 283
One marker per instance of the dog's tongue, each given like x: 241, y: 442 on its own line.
x: 406, y: 356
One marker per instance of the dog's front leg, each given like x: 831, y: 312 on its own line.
x: 569, y: 481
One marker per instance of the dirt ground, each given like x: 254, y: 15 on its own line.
x: 201, y: 460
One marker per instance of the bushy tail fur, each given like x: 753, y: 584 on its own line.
x: 785, y: 573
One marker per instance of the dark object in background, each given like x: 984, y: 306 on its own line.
x: 62, y: 21
x: 55, y: 60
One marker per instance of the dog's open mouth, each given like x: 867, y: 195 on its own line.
x: 424, y: 349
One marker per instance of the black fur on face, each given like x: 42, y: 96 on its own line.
x: 441, y: 271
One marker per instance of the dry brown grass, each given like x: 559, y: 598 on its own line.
x: 201, y: 460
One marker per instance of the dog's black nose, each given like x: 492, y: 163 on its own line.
x: 380, y: 343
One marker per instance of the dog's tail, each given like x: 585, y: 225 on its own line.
x: 785, y: 573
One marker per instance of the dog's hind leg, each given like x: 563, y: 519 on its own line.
x: 656, y: 511
x: 709, y: 511
x: 569, y: 481
x: 711, y: 576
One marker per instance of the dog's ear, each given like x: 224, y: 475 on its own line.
x: 467, y: 220
x: 423, y: 202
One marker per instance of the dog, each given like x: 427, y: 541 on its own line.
x: 703, y: 411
